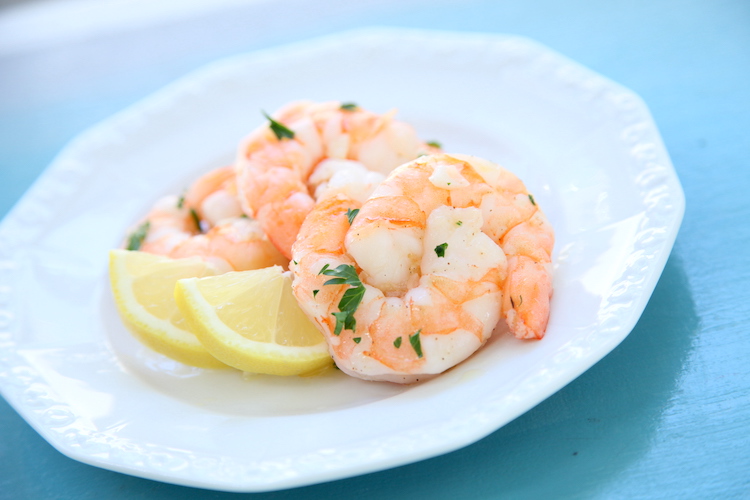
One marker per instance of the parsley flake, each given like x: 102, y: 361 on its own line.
x: 440, y: 249
x: 349, y: 106
x: 351, y: 214
x: 416, y: 343
x: 279, y: 130
x: 315, y: 292
x: 531, y: 198
x: 459, y: 223
x: 397, y: 343
x: 345, y: 274
x: 357, y: 340
x: 196, y: 220
x: 435, y: 144
x: 181, y: 201
x: 324, y: 269
x: 136, y: 237
x: 344, y: 321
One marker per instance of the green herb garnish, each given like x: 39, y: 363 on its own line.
x: 351, y: 214
x: 345, y: 275
x: 532, y: 200
x: 397, y: 343
x: 323, y: 269
x: 416, y: 343
x: 440, y: 249
x: 513, y: 304
x: 357, y: 340
x: 349, y: 106
x: 435, y: 144
x: 344, y: 321
x: 196, y: 220
x: 136, y: 237
x: 279, y: 130
x: 315, y: 292
x: 181, y: 201
x: 459, y: 223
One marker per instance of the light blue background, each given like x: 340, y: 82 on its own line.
x: 665, y: 415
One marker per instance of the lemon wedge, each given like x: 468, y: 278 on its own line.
x: 143, y: 287
x: 250, y: 320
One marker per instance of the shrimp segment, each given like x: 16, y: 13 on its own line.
x: 208, y: 222
x: 273, y: 169
x: 442, y: 250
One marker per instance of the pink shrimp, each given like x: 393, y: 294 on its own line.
x: 208, y: 222
x: 275, y: 162
x: 416, y: 280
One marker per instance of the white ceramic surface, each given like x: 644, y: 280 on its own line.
x: 586, y: 147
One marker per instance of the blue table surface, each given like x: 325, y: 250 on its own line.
x: 665, y: 415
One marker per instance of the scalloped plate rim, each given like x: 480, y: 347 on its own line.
x: 155, y: 103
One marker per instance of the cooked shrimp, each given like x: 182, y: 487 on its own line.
x: 416, y: 280
x: 275, y: 162
x: 208, y: 222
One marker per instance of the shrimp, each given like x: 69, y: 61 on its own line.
x: 275, y: 162
x: 415, y: 279
x: 208, y: 222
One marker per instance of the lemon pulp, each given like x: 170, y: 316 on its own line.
x: 143, y: 288
x: 250, y: 320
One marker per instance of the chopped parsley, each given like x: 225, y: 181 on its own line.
x: 349, y: 106
x: 416, y: 343
x: 315, y: 292
x: 435, y: 144
x: 181, y: 201
x: 357, y: 340
x: 136, y: 237
x: 459, y: 223
x: 279, y: 130
x: 196, y: 220
x: 351, y: 214
x: 440, y: 249
x: 531, y: 198
x: 345, y: 274
x: 397, y: 343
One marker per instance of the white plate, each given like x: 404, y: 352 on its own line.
x: 586, y: 147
